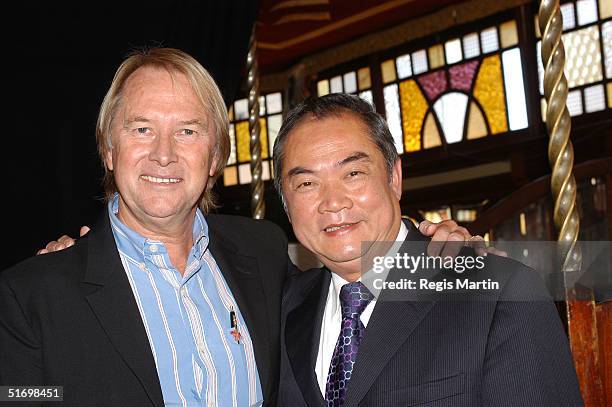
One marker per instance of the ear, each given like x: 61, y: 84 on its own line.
x: 108, y: 159
x: 213, y: 164
x: 396, y: 178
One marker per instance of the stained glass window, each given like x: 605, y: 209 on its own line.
x: 488, y: 40
x: 574, y: 103
x: 404, y: 67
x: 569, y: 18
x: 605, y: 9
x: 471, y: 86
x: 594, y: 98
x: 515, y: 94
x: 238, y: 170
x: 461, y: 89
x: 453, y: 51
x: 419, y: 62
x: 354, y: 82
x: 451, y: 109
x: 392, y: 111
x: 471, y: 45
x: 388, y: 71
x: 606, y: 36
x: 587, y: 38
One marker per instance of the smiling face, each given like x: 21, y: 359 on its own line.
x: 163, y: 150
x: 338, y: 191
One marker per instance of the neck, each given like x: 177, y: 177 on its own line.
x: 175, y: 234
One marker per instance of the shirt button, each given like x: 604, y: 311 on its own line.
x: 184, y: 292
x: 153, y: 248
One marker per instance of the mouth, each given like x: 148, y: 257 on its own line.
x: 339, y: 228
x: 159, y: 180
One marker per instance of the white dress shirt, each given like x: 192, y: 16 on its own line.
x: 332, y: 320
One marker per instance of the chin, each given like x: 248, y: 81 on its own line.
x: 160, y: 209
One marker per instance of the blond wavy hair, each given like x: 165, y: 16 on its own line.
x: 174, y: 61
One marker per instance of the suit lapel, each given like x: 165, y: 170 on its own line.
x: 302, y: 334
x: 110, y: 297
x: 241, y: 272
x: 390, y: 325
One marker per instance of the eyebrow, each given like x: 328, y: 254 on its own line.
x: 142, y: 119
x: 139, y: 119
x: 192, y: 121
x: 356, y: 156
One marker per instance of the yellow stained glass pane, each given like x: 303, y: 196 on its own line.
x: 230, y: 176
x: 243, y: 137
x: 363, y: 78
x: 583, y: 56
x: 609, y: 86
x: 436, y: 56
x: 509, y: 35
x: 414, y: 107
x: 242, y: 141
x: 489, y: 90
x: 388, y: 71
x: 230, y: 113
x: 605, y: 9
x: 323, y: 88
x: 477, y: 126
x: 431, y: 135
x: 263, y: 137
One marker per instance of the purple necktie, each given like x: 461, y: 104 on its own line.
x: 354, y: 297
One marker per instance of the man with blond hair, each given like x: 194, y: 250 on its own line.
x: 158, y: 304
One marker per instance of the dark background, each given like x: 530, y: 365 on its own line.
x: 59, y: 60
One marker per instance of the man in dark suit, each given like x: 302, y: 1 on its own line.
x: 159, y: 304
x: 340, y: 178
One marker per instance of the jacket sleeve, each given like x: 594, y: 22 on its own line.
x: 20, y: 350
x: 528, y: 360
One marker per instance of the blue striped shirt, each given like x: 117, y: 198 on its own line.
x: 187, y: 321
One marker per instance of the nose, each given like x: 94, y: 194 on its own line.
x: 163, y: 150
x: 334, y: 198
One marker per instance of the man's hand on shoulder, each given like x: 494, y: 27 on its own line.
x: 62, y: 243
x: 447, y: 238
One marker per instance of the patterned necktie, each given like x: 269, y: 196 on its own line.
x: 354, y: 297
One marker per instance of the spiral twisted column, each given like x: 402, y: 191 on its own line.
x: 560, y: 150
x: 258, y: 207
x: 581, y: 312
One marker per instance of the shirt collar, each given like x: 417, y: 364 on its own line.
x: 142, y: 244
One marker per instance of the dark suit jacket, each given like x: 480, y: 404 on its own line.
x: 437, y: 351
x: 69, y: 318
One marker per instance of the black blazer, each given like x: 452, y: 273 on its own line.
x: 69, y: 318
x: 436, y: 351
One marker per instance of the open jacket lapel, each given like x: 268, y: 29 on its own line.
x: 108, y: 292
x: 241, y: 272
x: 302, y: 332
x: 389, y: 327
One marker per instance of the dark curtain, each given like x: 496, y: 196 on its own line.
x: 59, y: 60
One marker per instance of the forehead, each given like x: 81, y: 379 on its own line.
x: 157, y: 85
x: 318, y: 141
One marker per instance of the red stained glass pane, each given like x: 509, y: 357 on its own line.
x: 462, y: 76
x: 433, y: 84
